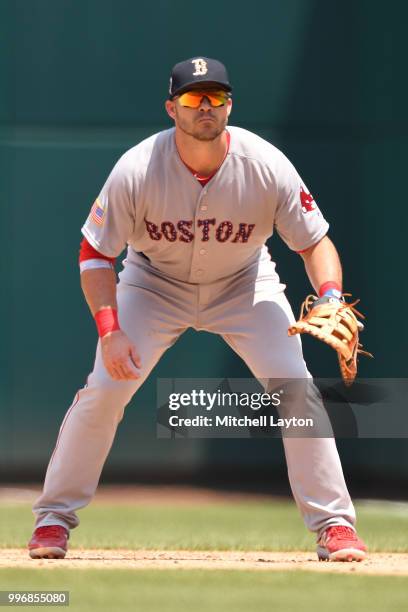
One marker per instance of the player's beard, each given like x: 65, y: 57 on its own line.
x: 202, y: 130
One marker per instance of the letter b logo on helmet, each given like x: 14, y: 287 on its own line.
x: 200, y: 66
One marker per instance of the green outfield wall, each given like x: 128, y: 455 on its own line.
x: 82, y: 81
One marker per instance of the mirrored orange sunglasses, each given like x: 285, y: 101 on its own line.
x: 193, y: 99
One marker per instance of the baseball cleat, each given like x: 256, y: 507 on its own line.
x: 49, y: 542
x: 340, y: 543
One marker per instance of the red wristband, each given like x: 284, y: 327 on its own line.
x: 329, y: 285
x: 106, y: 320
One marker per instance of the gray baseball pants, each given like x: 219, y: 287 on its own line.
x: 252, y: 314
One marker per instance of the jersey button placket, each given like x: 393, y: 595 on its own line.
x: 203, y: 205
x: 199, y: 259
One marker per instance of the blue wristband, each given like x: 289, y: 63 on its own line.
x: 332, y: 293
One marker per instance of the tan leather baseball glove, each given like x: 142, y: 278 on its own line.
x: 335, y: 322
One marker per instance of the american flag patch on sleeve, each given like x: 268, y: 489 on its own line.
x: 98, y: 212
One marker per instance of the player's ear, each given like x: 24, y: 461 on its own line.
x: 169, y: 105
x: 229, y: 106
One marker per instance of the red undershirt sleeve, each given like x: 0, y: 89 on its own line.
x: 87, y: 251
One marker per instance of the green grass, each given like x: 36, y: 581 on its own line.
x: 240, y: 526
x: 214, y: 591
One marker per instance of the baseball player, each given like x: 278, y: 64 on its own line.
x: 195, y: 205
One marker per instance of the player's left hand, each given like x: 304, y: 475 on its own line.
x: 335, y: 322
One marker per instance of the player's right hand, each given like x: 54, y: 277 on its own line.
x: 120, y: 357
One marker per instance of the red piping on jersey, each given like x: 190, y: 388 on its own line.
x: 87, y: 251
x: 203, y: 180
x: 74, y: 403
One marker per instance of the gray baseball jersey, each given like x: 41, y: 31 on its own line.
x: 205, y: 266
x: 152, y: 202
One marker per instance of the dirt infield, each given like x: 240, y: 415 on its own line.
x: 393, y: 564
